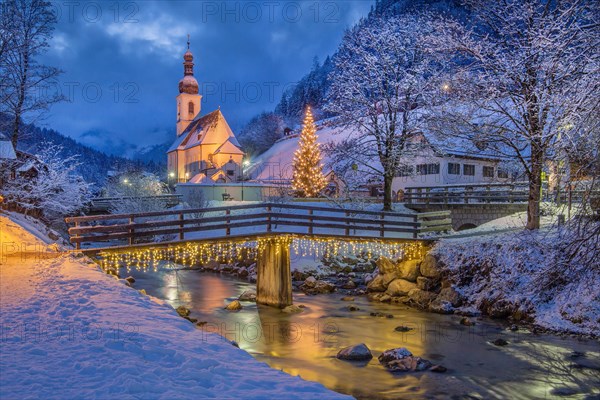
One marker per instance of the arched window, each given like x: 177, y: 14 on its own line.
x: 191, y: 108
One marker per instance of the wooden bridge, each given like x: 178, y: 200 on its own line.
x: 270, y: 221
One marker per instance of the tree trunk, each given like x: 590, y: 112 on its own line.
x: 535, y: 188
x: 387, y: 192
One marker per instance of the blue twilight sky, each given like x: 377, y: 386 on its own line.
x: 122, y: 61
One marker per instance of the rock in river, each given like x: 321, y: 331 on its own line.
x: 358, y: 352
x: 402, y: 360
x: 234, y: 306
x: 248, y: 295
x: 182, y: 311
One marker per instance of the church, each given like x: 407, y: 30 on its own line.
x: 206, y: 150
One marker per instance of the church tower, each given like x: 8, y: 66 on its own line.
x: 188, y: 100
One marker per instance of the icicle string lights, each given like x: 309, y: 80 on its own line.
x: 227, y: 252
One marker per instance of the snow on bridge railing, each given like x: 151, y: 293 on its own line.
x: 252, y: 219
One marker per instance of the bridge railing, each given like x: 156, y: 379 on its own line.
x: 514, y: 192
x: 252, y: 219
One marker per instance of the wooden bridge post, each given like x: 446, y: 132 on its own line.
x: 347, y: 223
x: 416, y: 228
x: 228, y: 230
x: 310, y: 220
x: 268, y: 218
x: 131, y: 230
x: 181, y: 226
x: 382, y: 224
x: 273, y: 275
x: 78, y: 244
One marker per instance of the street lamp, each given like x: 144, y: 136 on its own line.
x: 245, y: 163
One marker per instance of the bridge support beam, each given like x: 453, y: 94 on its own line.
x: 274, y: 278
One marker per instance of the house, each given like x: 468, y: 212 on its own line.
x: 205, y: 150
x: 435, y: 161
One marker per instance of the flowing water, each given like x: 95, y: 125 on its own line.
x: 529, y: 367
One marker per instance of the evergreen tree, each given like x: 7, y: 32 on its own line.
x: 308, y: 179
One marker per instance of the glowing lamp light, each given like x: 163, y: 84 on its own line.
x: 172, y: 174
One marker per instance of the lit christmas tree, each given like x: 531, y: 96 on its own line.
x: 308, y: 180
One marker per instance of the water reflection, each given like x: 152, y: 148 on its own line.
x: 305, y: 344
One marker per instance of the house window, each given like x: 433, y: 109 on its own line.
x: 453, y: 168
x: 428, y: 169
x: 405, y: 170
x: 488, y: 172
x: 502, y: 173
x: 191, y: 108
x: 230, y: 172
x: 469, y: 169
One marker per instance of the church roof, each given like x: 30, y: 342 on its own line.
x: 209, y: 129
x: 229, y: 148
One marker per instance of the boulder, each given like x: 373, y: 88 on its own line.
x: 353, y: 308
x: 359, y: 352
x: 466, y: 321
x: 438, y: 368
x: 500, y: 342
x: 409, y: 270
x: 376, y: 285
x: 242, y: 272
x: 402, y: 360
x: 182, y: 311
x: 292, y: 308
x: 441, y: 307
x: 500, y: 309
x: 347, y: 298
x: 379, y: 296
x: 451, y: 296
x: 248, y: 295
x: 389, y: 277
x: 298, y: 275
x: 310, y: 282
x: 349, y: 285
x: 400, y: 287
x: 424, y: 283
x: 318, y: 288
x: 421, y: 297
x: 234, y: 306
x: 130, y: 279
x: 430, y: 268
x: 385, y: 265
x: 403, y: 328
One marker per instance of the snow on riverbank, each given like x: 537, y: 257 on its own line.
x: 523, y: 274
x: 70, y: 331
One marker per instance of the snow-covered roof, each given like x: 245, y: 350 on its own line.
x: 209, y: 129
x: 7, y: 151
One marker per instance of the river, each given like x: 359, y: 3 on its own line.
x: 531, y: 366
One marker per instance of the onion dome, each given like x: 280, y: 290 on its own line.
x: 188, y: 84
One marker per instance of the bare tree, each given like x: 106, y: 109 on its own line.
x: 523, y: 70
x: 26, y: 87
x: 383, y: 78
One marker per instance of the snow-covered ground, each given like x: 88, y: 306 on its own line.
x: 524, y: 273
x: 70, y: 331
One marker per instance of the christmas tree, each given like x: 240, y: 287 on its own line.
x: 308, y: 180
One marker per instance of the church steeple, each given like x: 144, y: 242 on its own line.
x: 188, y: 84
x: 188, y: 101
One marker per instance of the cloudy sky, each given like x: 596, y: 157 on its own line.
x: 122, y: 61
